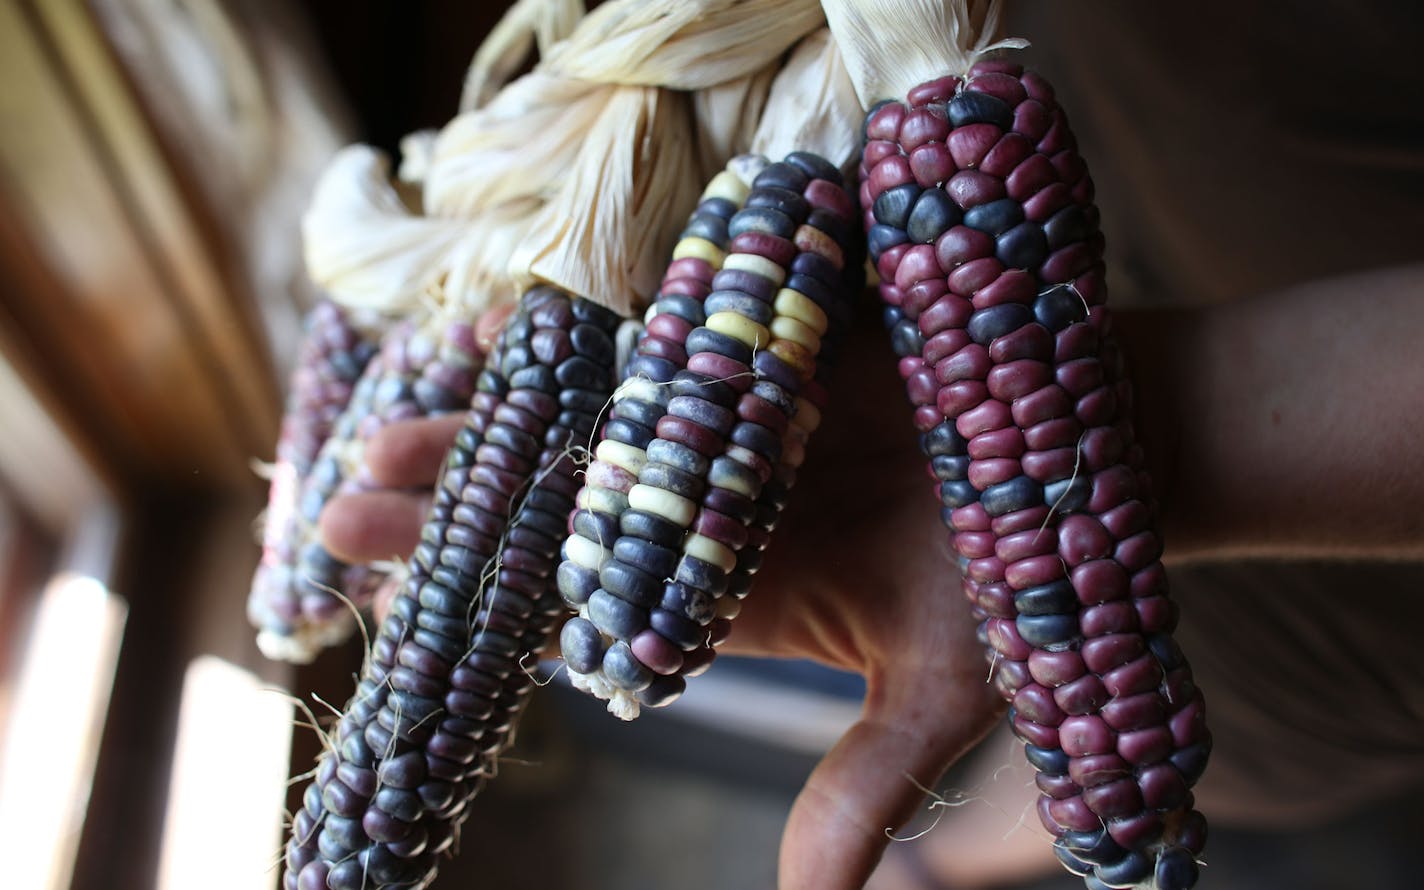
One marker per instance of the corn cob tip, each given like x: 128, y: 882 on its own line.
x: 304, y: 644
x: 621, y: 703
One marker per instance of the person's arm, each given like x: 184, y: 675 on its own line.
x: 1291, y: 424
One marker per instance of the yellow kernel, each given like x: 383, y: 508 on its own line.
x: 794, y: 304
x: 589, y: 554
x: 798, y: 357
x: 673, y: 507
x: 709, y: 550
x: 788, y: 328
x: 622, y: 455
x: 739, y: 326
x: 699, y: 248
x: 601, y: 500
x: 727, y: 185
x: 757, y: 265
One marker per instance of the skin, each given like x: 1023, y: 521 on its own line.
x: 1301, y: 442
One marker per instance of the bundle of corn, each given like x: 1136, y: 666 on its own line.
x: 710, y: 424
x: 981, y: 224
x: 333, y: 354
x: 438, y: 698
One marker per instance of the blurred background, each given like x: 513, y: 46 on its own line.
x: 155, y: 158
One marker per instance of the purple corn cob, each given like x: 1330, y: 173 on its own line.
x: 333, y: 356
x: 447, y: 676
x: 421, y: 370
x: 981, y: 222
x: 699, y: 428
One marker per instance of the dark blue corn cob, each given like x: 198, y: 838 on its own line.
x: 700, y: 426
x: 979, y: 215
x: 449, y: 669
x: 422, y: 370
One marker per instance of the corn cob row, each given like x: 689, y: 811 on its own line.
x: 421, y: 370
x: 332, y: 357
x: 697, y: 429
x: 446, y: 678
x: 980, y: 220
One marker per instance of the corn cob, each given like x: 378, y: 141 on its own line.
x: 331, y: 359
x: 422, y: 369
x: 697, y: 428
x: 980, y: 220
x: 446, y: 677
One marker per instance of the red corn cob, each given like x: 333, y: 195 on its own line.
x: 981, y: 223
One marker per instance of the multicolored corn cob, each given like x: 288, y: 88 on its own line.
x: 702, y: 442
x: 448, y: 674
x: 332, y: 357
x: 422, y: 369
x: 980, y: 219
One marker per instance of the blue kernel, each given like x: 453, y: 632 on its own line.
x: 1068, y: 495
x: 892, y: 207
x: 1047, y: 630
x: 1016, y: 494
x: 1022, y: 247
x: 987, y: 325
x: 957, y: 493
x: 1051, y: 761
x: 1131, y: 868
x: 995, y: 217
x: 1059, y: 307
x: 974, y: 107
x: 934, y: 213
x: 1054, y: 598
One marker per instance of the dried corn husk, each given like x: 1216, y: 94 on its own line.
x: 891, y: 45
x: 607, y: 234
x: 812, y: 106
x: 593, y: 134
x: 725, y: 117
x: 682, y: 44
x: 379, y: 246
x: 521, y: 145
x: 528, y: 24
x: 364, y: 245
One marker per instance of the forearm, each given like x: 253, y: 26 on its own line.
x: 1290, y: 424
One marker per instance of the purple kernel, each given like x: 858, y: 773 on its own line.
x: 1081, y: 696
x: 1114, y: 800
x: 1055, y: 669
x: 1081, y: 735
x: 1139, y: 675
x: 1118, y: 616
x: 1098, y: 769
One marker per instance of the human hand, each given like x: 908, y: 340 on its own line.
x: 860, y: 576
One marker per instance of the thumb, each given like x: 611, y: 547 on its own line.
x: 872, y: 782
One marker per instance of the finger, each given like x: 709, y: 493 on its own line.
x: 381, y: 601
x: 408, y: 453
x: 870, y: 784
x: 358, y: 528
